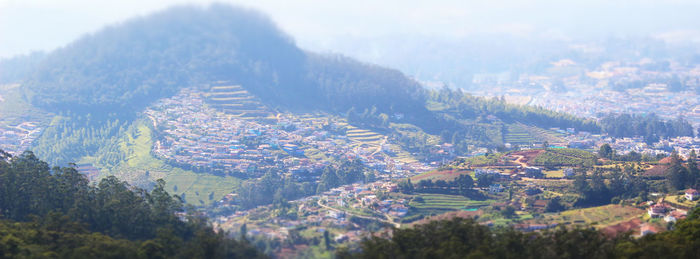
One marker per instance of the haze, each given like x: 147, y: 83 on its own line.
x: 391, y: 33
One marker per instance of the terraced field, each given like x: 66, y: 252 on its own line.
x: 374, y: 140
x: 516, y: 134
x: 441, y: 203
x: 520, y: 134
x: 364, y: 136
x: 236, y: 101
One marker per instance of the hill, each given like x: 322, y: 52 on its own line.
x: 126, y: 66
x: 97, y: 87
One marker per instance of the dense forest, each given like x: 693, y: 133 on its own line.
x: 651, y: 127
x: 55, y: 212
x: 465, y: 238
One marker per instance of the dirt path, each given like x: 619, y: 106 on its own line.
x: 519, y: 160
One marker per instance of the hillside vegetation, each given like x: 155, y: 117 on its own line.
x: 56, y: 213
x: 465, y: 238
x: 127, y: 66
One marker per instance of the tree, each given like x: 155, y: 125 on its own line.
x: 554, y: 205
x: 244, y: 231
x: 329, y: 179
x: 327, y: 240
x: 605, y: 151
x: 508, y: 212
x: 677, y: 174
x: 485, y: 180
x: 406, y: 186
x: 693, y: 170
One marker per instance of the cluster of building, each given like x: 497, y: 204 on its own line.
x: 363, y: 196
x: 17, y: 139
x: 671, y: 211
x: 666, y: 88
x: 586, y: 140
x: 197, y: 136
x: 328, y: 212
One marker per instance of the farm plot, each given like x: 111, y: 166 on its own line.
x: 564, y: 157
x: 600, y: 217
x: 519, y: 133
x: 516, y: 134
x: 441, y: 203
x: 236, y: 101
x: 446, y: 175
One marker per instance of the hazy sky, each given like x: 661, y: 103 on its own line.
x: 326, y: 25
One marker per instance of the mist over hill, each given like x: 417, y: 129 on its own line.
x: 131, y: 64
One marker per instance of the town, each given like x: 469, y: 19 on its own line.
x: 667, y: 88
x: 223, y: 143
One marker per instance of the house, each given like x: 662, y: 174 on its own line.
x: 569, y: 172
x: 495, y: 188
x: 657, y: 210
x: 691, y: 194
x: 670, y: 218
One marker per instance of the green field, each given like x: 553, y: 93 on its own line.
x: 485, y: 160
x: 680, y: 200
x: 565, y: 157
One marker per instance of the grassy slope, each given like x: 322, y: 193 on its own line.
x: 141, y: 166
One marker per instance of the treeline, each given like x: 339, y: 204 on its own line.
x: 73, y: 136
x: 465, y: 238
x: 464, y: 106
x: 55, y: 212
x: 651, y: 127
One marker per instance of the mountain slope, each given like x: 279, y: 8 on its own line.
x: 134, y: 63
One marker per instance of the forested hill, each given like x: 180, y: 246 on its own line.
x: 134, y: 63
